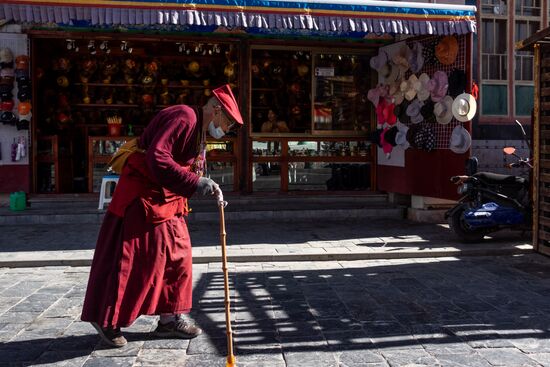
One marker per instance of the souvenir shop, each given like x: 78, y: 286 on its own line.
x: 336, y: 96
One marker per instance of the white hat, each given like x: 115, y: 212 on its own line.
x: 460, y: 141
x: 464, y: 107
x: 421, y: 87
x: 401, y: 136
x: 443, y: 110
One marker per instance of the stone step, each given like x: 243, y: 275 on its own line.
x: 249, y: 208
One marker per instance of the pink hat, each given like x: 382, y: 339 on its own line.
x: 229, y: 103
x: 389, y: 115
x: 375, y: 93
x: 438, y: 85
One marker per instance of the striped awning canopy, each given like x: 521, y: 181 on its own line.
x: 315, y: 16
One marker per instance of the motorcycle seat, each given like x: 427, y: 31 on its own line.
x: 498, y: 179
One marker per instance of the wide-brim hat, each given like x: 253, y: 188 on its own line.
x: 401, y: 57
x: 229, y: 103
x: 413, y: 111
x: 464, y: 107
x: 8, y: 118
x: 408, y: 87
x: 446, y: 50
x: 374, y: 94
x: 416, y: 60
x: 438, y: 85
x: 394, y: 74
x: 379, y: 61
x: 414, y: 135
x: 421, y: 87
x: 389, y: 135
x: 400, y: 110
x: 461, y: 140
x: 430, y: 139
x: 443, y: 110
x: 457, y: 82
x: 401, y: 136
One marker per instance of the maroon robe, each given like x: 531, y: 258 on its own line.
x: 142, y: 262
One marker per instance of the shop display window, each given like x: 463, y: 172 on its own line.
x: 284, y: 102
x: 266, y: 148
x: 280, y: 91
x: 341, y: 84
x: 111, y: 89
x: 354, y: 148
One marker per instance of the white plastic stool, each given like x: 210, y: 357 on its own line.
x: 104, y: 184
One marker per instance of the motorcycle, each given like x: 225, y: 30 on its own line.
x: 491, y: 201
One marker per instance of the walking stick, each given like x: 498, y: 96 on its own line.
x: 230, y: 357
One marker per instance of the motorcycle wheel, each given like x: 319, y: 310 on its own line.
x: 461, y: 229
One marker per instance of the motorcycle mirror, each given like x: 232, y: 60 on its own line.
x: 509, y: 150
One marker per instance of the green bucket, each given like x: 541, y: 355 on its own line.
x: 18, y: 200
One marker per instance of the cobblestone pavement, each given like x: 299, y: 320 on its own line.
x: 475, y: 311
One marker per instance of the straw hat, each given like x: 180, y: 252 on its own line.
x: 464, y: 107
x: 401, y: 57
x: 446, y: 50
x: 443, y: 110
x: 407, y: 87
x: 421, y: 87
x: 460, y: 141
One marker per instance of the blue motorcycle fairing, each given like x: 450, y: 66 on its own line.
x: 491, y: 215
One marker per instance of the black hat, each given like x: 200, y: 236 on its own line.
x: 6, y: 96
x: 374, y: 137
x: 401, y: 112
x: 389, y: 135
x: 427, y: 111
x: 22, y: 125
x: 23, y: 96
x: 5, y: 88
x: 457, y: 82
x: 8, y: 118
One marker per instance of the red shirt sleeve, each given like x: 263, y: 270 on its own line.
x: 160, y: 158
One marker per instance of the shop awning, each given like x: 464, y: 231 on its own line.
x: 316, y: 16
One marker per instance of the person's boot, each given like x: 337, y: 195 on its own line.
x: 112, y: 337
x: 177, y: 329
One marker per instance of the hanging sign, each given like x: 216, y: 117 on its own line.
x: 324, y: 71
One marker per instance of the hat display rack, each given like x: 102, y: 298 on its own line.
x: 15, y: 100
x: 435, y: 116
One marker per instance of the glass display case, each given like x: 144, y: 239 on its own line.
x: 323, y: 164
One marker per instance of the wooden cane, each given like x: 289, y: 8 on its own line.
x: 230, y: 357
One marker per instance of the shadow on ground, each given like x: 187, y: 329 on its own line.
x: 417, y: 310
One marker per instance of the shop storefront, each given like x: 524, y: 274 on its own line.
x: 302, y: 72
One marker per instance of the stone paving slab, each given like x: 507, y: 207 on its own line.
x: 469, y: 311
x: 276, y: 240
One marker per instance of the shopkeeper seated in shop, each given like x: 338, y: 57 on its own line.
x: 273, y: 124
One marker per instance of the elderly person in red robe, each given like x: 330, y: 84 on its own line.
x: 142, y: 262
